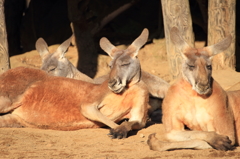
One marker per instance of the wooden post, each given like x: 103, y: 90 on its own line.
x: 221, y: 22
x: 87, y: 51
x: 4, y: 57
x: 176, y: 13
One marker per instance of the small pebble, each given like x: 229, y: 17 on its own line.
x: 142, y: 136
x: 153, y: 71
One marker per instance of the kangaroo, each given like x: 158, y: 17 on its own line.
x: 57, y: 64
x: 198, y: 102
x: 33, y: 98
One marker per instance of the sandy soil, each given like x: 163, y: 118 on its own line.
x: 94, y: 143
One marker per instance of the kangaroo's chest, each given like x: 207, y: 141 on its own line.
x: 119, y: 106
x: 196, y: 114
x: 116, y: 106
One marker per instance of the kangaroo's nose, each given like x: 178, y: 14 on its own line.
x: 203, y: 87
x: 114, y: 82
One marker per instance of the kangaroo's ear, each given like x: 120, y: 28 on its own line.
x: 139, y: 42
x: 220, y: 46
x: 42, y: 47
x: 178, y: 41
x: 62, y: 49
x: 107, y: 46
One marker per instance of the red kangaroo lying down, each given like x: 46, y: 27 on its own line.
x: 57, y: 64
x: 198, y: 102
x: 32, y: 98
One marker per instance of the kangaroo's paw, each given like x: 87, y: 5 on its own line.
x: 154, y: 143
x: 119, y: 132
x: 220, y: 142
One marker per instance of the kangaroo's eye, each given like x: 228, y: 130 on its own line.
x: 125, y: 64
x: 191, y: 67
x: 110, y: 65
x: 209, y: 67
x: 51, y: 69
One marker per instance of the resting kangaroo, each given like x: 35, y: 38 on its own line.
x: 58, y: 65
x: 33, y: 98
x: 198, y: 102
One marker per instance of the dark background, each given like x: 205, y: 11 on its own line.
x: 50, y: 19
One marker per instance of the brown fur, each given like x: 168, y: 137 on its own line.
x: 57, y: 64
x: 198, y: 102
x: 43, y: 107
x: 234, y: 102
x: 34, y: 98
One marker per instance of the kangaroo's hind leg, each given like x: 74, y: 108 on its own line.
x: 10, y: 121
x: 6, y: 105
x: 189, y: 140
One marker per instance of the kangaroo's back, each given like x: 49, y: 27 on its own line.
x: 14, y: 82
x: 55, y: 103
x: 234, y: 103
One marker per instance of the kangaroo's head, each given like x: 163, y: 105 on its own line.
x: 56, y: 63
x: 197, y: 63
x: 125, y: 66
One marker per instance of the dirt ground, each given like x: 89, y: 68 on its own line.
x: 94, y: 143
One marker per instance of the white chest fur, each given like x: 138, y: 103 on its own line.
x: 194, y: 113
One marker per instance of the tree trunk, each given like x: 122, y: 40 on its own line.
x: 87, y: 52
x: 110, y: 16
x: 177, y: 13
x: 221, y: 22
x: 4, y: 57
x: 88, y: 17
